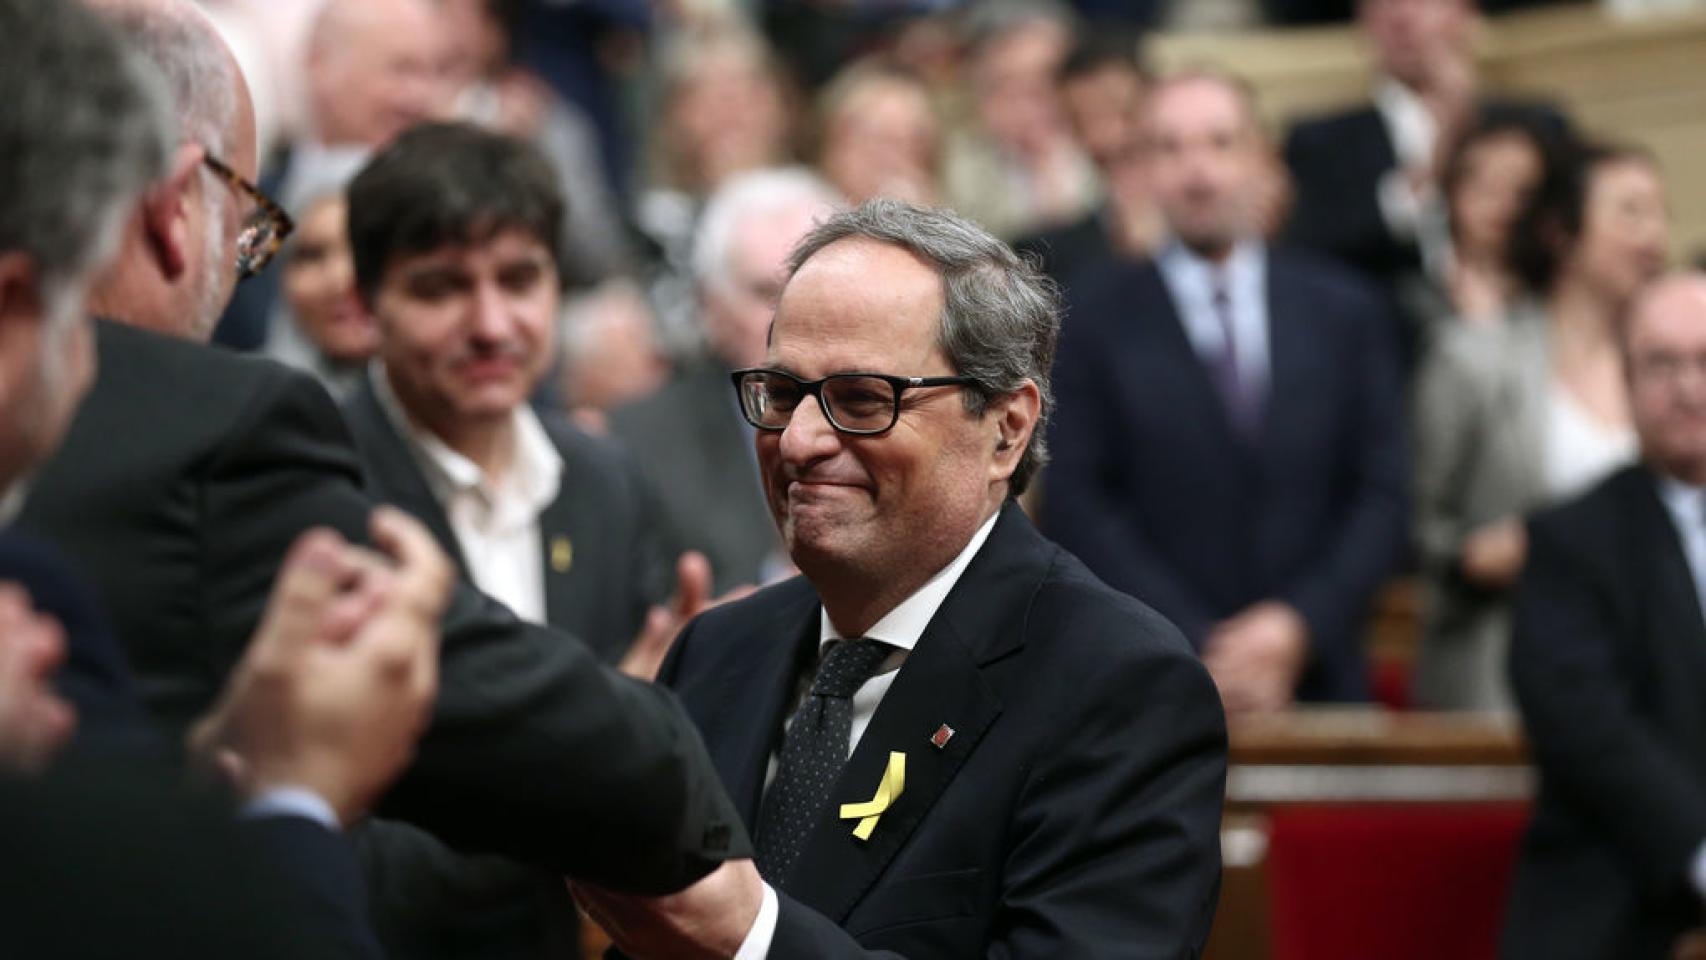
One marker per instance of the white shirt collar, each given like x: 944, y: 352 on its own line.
x: 1409, y: 122
x: 1242, y: 271
x: 1687, y: 505
x: 902, y: 626
x: 536, y: 469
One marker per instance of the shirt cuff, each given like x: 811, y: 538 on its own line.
x: 756, y: 946
x: 294, y: 802
x: 1698, y: 873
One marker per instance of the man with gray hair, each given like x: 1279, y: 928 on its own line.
x: 324, y: 710
x: 948, y: 738
x: 689, y: 438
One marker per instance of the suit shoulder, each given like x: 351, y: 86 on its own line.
x: 202, y: 368
x: 1321, y: 129
x: 761, y: 606
x: 1105, y: 624
x: 1589, y: 523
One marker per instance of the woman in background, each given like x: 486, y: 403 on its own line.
x: 1528, y: 410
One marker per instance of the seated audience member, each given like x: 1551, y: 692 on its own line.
x: 107, y: 852
x: 611, y: 355
x: 1102, y: 86
x: 490, y: 89
x: 879, y: 135
x: 1230, y: 441
x: 1529, y: 412
x: 318, y: 325
x: 189, y: 471
x: 456, y: 233
x: 1609, y: 668
x: 1018, y: 169
x: 1488, y: 176
x: 1046, y: 755
x: 689, y: 438
x: 371, y: 69
x: 1368, y: 179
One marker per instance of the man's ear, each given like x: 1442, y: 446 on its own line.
x: 166, y: 211
x: 23, y: 312
x: 1015, y: 417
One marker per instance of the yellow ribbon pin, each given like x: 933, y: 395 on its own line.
x: 888, y: 791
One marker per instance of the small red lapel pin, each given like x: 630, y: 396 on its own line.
x: 940, y: 738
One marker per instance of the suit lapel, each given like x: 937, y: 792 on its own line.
x: 562, y: 530
x: 394, y: 470
x: 1677, y: 619
x: 941, y: 683
x: 758, y: 684
x: 1286, y: 356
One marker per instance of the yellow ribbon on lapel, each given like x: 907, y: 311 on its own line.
x: 888, y: 791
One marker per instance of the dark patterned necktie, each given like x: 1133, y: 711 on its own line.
x: 813, y: 752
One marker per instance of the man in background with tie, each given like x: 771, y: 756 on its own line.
x: 949, y: 739
x: 1608, y: 661
x: 1230, y: 442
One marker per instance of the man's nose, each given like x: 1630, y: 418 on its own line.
x: 490, y: 318
x: 809, y: 435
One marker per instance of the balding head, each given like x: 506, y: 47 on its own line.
x: 375, y: 68
x: 1665, y: 341
x: 177, y: 261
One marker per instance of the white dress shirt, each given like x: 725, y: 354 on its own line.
x: 496, y: 520
x: 1192, y: 281
x: 1579, y: 449
x: 901, y: 628
x: 1687, y: 506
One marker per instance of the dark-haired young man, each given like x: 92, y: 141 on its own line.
x: 455, y: 234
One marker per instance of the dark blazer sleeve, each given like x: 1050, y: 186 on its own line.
x: 1588, y: 735
x: 1115, y: 838
x: 1084, y: 507
x: 1332, y: 594
x: 536, y: 750
x: 314, y: 880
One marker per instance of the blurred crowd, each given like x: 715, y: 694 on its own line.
x: 1468, y: 255
x: 534, y: 248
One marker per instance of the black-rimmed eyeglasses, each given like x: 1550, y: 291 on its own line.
x: 856, y: 403
x: 263, y: 230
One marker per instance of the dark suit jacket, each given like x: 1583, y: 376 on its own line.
x: 94, y: 677
x: 1074, y: 812
x: 102, y: 860
x: 1609, y: 666
x: 619, y: 566
x: 1153, y: 489
x: 110, y: 854
x: 1336, y: 164
x: 692, y: 446
x: 185, y: 477
x: 429, y: 900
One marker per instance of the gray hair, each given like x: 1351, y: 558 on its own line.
x: 1000, y: 314
x: 756, y: 193
x: 186, y: 48
x: 86, y: 128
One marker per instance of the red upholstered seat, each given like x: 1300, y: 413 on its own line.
x: 1390, y: 881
